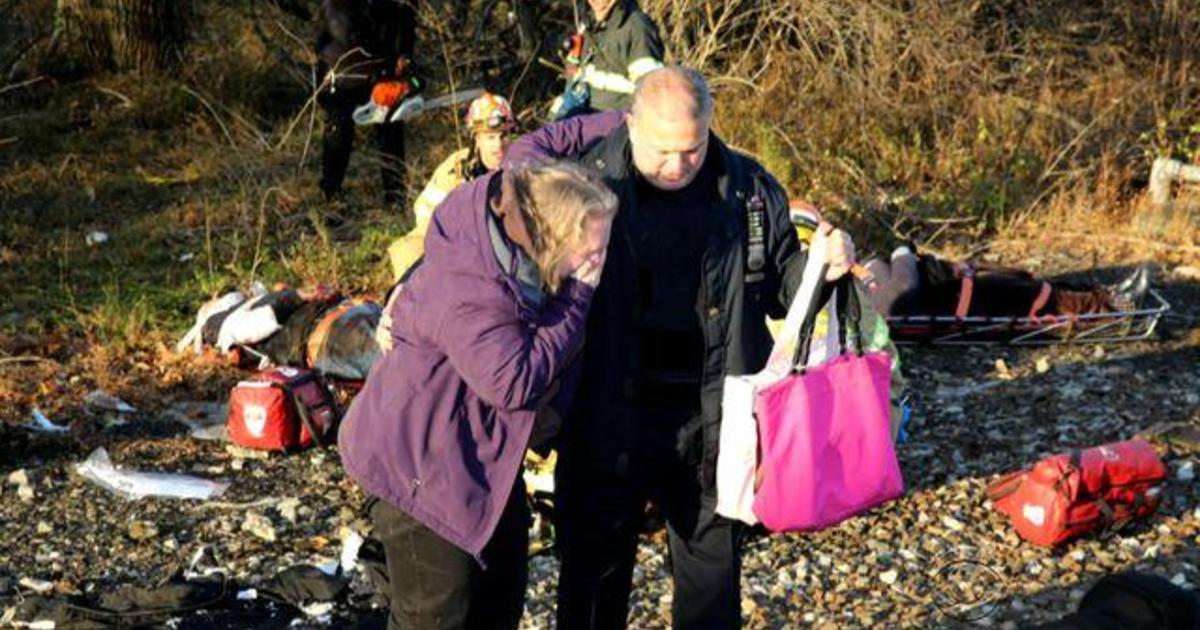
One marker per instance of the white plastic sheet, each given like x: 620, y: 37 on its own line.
x: 135, y: 485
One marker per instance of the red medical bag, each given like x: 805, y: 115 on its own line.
x: 282, y: 408
x: 1070, y: 494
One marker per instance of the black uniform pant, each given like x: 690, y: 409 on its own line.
x: 601, y: 510
x: 338, y: 141
x: 433, y: 585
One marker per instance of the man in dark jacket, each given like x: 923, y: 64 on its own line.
x: 359, y: 43
x: 702, y: 251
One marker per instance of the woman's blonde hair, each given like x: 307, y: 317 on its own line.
x: 556, y: 200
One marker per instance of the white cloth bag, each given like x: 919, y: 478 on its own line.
x: 737, y: 454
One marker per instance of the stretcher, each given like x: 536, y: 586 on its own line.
x: 1131, y: 325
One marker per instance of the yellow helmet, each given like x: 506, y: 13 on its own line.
x: 490, y: 112
x: 805, y: 218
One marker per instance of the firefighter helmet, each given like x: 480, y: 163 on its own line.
x: 490, y: 112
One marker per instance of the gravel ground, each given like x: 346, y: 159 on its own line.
x: 919, y: 561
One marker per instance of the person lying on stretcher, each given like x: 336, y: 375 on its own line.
x: 910, y: 283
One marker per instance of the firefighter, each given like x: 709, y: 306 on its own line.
x: 607, y: 57
x: 491, y: 122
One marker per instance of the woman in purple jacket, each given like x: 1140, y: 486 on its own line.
x: 484, y: 331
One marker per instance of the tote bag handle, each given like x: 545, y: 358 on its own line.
x: 849, y: 316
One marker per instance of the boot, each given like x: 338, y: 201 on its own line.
x: 1131, y: 291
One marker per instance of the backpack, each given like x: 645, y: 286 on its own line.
x: 1071, y: 494
x: 281, y: 409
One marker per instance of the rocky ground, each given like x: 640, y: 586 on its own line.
x: 938, y: 557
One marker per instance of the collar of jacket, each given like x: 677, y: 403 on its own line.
x: 613, y: 157
x: 512, y: 241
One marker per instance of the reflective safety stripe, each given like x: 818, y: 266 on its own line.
x: 642, y: 65
x: 607, y: 81
x: 428, y: 202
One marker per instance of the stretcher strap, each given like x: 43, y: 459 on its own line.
x: 966, y: 273
x: 1040, y: 301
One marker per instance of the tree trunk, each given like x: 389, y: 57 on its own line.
x: 128, y: 35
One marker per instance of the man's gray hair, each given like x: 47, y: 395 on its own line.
x: 651, y: 84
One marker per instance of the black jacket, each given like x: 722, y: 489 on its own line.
x: 383, y: 29
x: 620, y: 49
x: 732, y: 306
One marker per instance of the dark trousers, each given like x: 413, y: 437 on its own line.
x: 433, y: 585
x: 338, y: 141
x: 601, y: 512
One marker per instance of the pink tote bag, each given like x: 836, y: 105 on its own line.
x: 825, y: 434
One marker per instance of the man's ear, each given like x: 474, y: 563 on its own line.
x: 629, y: 122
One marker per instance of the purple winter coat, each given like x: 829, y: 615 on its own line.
x: 441, y: 427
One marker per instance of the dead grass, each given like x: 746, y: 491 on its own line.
x: 987, y: 110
